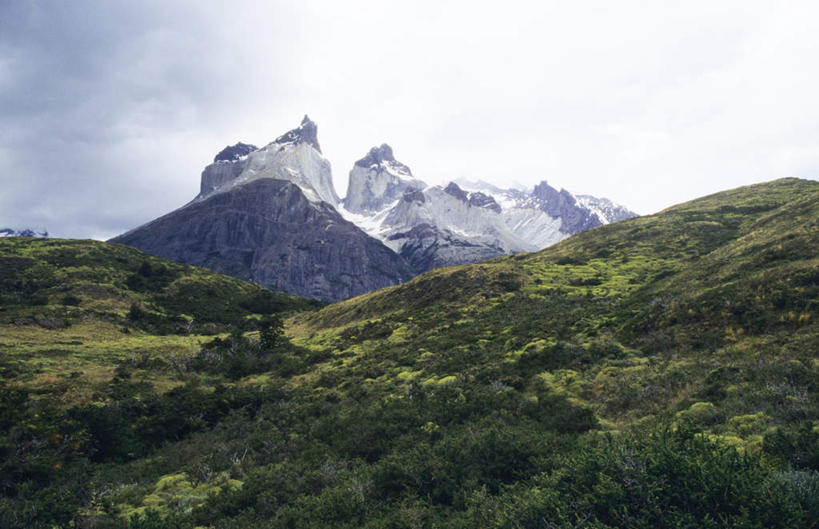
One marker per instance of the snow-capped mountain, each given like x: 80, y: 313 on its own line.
x: 25, y: 232
x: 442, y: 226
x: 606, y: 210
x: 456, y: 224
x: 268, y: 215
x: 428, y: 226
x: 271, y: 215
x: 294, y: 156
x: 377, y: 180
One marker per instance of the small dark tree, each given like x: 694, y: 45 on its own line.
x: 145, y: 269
x: 271, y: 329
x: 136, y: 313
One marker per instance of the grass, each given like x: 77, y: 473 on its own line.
x: 641, y: 312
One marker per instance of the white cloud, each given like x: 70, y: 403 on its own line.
x: 648, y: 103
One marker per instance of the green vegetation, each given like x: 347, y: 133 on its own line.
x: 658, y: 372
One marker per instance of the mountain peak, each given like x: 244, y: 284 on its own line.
x: 383, y: 156
x: 377, y: 155
x: 307, y: 132
x: 231, y: 153
x: 377, y: 180
x: 454, y: 190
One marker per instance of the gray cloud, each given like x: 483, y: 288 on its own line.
x: 109, y: 110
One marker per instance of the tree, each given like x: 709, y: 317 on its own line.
x: 271, y: 329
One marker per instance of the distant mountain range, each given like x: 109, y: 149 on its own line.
x: 271, y: 215
x: 462, y: 222
x: 24, y: 232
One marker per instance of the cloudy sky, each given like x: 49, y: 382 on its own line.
x: 109, y: 110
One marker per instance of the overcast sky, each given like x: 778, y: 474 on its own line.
x: 109, y: 110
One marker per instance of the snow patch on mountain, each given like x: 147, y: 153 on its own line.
x: 606, y: 210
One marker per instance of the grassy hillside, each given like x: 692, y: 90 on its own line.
x: 632, y: 319
x: 71, y: 311
x: 657, y: 372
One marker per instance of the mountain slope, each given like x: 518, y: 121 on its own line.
x: 651, y: 298
x: 72, y: 311
x: 269, y: 232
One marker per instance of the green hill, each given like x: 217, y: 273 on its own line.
x: 76, y: 279
x: 657, y: 372
x: 72, y: 310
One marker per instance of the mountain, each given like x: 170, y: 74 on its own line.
x: 294, y: 156
x: 606, y: 210
x: 300, y: 238
x: 443, y: 226
x: 457, y: 224
x: 267, y: 215
x: 25, y: 232
x: 655, y: 372
x: 378, y: 180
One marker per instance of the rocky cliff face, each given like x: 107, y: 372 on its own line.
x: 378, y: 180
x: 562, y: 204
x: 267, y: 231
x: 294, y: 156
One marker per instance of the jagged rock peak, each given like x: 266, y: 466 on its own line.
x: 475, y: 198
x: 481, y: 200
x: 454, y: 190
x: 546, y: 192
x: 231, y: 153
x: 307, y: 132
x: 383, y: 155
x: 562, y: 204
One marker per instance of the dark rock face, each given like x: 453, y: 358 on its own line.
x: 267, y: 231
x: 561, y: 204
x: 306, y: 133
x: 480, y: 200
x: 232, y: 153
x: 456, y: 192
x: 427, y: 247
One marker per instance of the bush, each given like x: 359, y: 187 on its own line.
x: 70, y: 300
x: 797, y: 447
